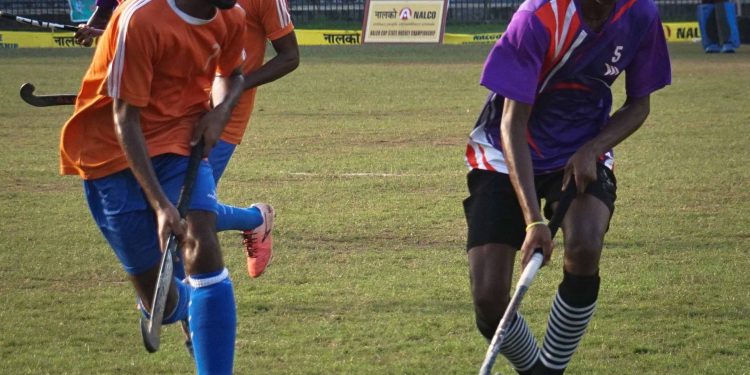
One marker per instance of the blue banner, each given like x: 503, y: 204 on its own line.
x: 81, y: 10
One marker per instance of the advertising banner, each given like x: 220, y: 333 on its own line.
x: 674, y: 32
x: 30, y: 39
x: 682, y: 32
x: 81, y: 10
x: 404, y: 21
x: 328, y: 37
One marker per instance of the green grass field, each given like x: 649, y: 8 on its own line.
x: 361, y: 152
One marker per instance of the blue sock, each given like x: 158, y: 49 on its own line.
x: 219, y: 158
x: 236, y: 218
x: 180, y: 311
x: 213, y: 322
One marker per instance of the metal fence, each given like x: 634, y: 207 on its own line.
x: 465, y: 11
x: 350, y: 12
x: 46, y: 10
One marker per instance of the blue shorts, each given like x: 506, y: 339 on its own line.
x: 122, y: 213
x: 219, y: 158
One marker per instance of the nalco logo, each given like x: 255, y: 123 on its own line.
x: 405, y: 14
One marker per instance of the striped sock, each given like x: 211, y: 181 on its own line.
x: 571, y: 312
x: 213, y: 322
x: 519, y: 346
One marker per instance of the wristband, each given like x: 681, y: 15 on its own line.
x: 534, y: 224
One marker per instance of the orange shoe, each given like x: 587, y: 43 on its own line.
x: 259, y: 242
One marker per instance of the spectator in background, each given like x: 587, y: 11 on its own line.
x: 718, y: 24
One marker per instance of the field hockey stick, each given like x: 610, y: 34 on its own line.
x: 524, y: 282
x: 37, y: 23
x: 27, y: 94
x: 152, y: 330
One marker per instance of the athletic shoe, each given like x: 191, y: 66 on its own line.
x: 727, y: 48
x: 259, y: 242
x: 712, y: 48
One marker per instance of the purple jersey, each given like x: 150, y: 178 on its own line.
x: 549, y: 58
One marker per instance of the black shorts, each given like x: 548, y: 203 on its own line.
x: 493, y: 214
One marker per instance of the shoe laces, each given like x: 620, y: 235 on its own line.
x: 248, y: 238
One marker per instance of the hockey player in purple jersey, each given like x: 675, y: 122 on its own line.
x: 547, y: 124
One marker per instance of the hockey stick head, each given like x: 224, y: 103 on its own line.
x: 27, y: 94
x: 152, y: 330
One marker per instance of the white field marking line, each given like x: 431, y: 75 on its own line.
x: 452, y: 172
x: 355, y: 174
x: 458, y: 172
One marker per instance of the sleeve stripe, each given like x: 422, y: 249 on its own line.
x: 114, y: 72
x: 283, y: 13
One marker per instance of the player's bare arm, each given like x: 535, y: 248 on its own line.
x: 94, y: 27
x: 285, y: 61
x: 518, y: 158
x: 100, y: 17
x: 133, y: 143
x: 625, y: 121
x: 225, y: 92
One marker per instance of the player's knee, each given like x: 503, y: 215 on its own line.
x: 487, y: 313
x: 195, y: 244
x: 489, y: 293
x: 582, y: 255
x: 489, y: 306
x: 490, y: 299
x: 201, y: 252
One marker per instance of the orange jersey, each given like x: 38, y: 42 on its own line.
x: 265, y: 20
x: 155, y: 57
